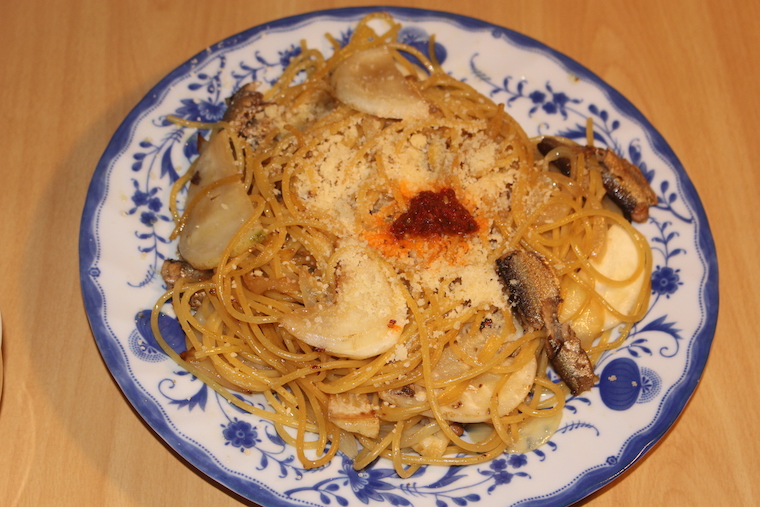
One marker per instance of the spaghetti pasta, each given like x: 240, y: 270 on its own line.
x: 382, y: 341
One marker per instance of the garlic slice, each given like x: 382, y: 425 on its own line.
x: 218, y: 214
x: 473, y: 405
x: 367, y: 316
x: 370, y: 82
x: 353, y: 413
x: 618, y: 262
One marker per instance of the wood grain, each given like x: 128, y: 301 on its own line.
x: 71, y: 71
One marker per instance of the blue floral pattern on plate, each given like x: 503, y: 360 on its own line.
x: 124, y: 240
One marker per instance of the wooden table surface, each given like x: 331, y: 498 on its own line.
x: 70, y: 72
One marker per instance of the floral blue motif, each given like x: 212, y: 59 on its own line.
x: 666, y: 200
x: 420, y: 40
x: 556, y: 102
x: 665, y: 280
x: 148, y: 206
x: 201, y: 110
x: 371, y: 485
x: 498, y: 470
x: 240, y: 434
x: 376, y: 483
x: 199, y: 399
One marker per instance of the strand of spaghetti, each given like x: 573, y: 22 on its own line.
x: 639, y: 309
x: 411, y: 50
x: 499, y: 422
x: 366, y: 197
x: 263, y: 304
x: 398, y: 463
x: 580, y: 214
x: 198, y: 373
x: 566, y: 183
x: 601, y: 347
x: 284, y: 434
x: 198, y: 125
x: 301, y: 427
x: 357, y: 376
x: 275, y: 354
x: 307, y: 59
x: 522, y: 359
x: 324, y: 431
x: 249, y: 378
x: 455, y: 460
x: 229, y: 303
x: 239, y: 148
x: 174, y: 191
x: 416, y: 429
x: 597, y: 276
x: 383, y: 173
x: 371, y: 450
x: 329, y: 433
x: 490, y: 364
x: 289, y: 198
x: 217, y: 350
x: 558, y: 396
x: 262, y: 181
x: 184, y: 316
x: 326, y: 366
x: 487, y: 354
x: 455, y: 345
x: 427, y: 367
x: 271, y: 249
x: 643, y: 255
x: 307, y: 91
x: 287, y: 221
x: 433, y: 56
x: 407, y: 372
x: 523, y: 228
x: 514, y: 418
x: 281, y: 400
x: 246, y: 380
x: 314, y: 243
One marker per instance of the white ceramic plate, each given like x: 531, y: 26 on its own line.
x: 123, y: 241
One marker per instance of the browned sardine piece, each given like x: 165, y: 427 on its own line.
x: 533, y: 290
x: 567, y: 356
x: 243, y: 107
x: 172, y: 270
x: 624, y: 182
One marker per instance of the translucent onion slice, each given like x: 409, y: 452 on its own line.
x: 370, y: 82
x: 216, y: 214
x: 367, y: 316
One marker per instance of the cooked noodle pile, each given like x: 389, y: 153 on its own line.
x: 450, y: 377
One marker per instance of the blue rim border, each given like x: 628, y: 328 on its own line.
x: 584, y: 485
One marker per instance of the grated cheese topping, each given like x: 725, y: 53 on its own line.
x: 341, y: 168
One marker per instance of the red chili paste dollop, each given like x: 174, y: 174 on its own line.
x: 434, y: 213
